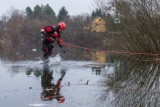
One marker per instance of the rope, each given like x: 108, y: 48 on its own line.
x: 109, y: 51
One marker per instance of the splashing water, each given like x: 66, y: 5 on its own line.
x: 56, y: 60
x: 52, y: 60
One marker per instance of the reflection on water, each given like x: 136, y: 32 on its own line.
x: 97, y: 70
x: 37, y: 72
x: 51, y: 90
x: 135, y: 82
x: 64, y: 85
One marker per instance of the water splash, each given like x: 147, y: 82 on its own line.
x: 56, y: 60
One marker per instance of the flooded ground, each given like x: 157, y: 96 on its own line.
x: 22, y: 84
x: 79, y: 84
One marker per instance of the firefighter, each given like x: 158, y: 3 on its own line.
x: 50, y: 35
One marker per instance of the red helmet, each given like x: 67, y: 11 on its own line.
x: 62, y: 25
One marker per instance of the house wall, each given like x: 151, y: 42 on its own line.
x: 98, y: 25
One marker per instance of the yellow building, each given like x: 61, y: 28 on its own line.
x: 98, y: 25
x: 99, y: 56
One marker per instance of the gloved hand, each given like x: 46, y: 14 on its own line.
x: 62, y: 49
x: 43, y: 33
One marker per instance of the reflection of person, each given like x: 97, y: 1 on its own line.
x: 51, y: 90
x: 50, y: 35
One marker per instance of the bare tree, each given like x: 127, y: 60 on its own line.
x: 136, y: 84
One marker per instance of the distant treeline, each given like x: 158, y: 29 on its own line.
x: 19, y: 32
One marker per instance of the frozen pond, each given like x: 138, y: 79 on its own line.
x: 22, y: 84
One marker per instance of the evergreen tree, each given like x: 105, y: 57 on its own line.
x: 29, y: 12
x: 37, y: 11
x: 48, y: 13
x: 63, y: 14
x: 48, y: 10
x: 98, y: 12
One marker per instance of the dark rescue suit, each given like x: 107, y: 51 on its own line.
x: 50, y: 89
x: 50, y: 35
